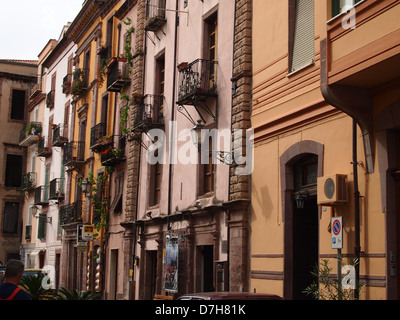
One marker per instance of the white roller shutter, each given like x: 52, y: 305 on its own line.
x: 303, y: 44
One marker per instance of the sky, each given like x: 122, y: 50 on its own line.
x: 27, y: 25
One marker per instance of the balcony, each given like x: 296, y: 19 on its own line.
x: 67, y: 82
x: 114, y: 153
x: 56, y: 189
x: 149, y: 113
x: 44, y: 147
x: 60, y: 134
x: 155, y: 15
x: 117, y: 77
x: 97, y: 134
x: 41, y: 196
x: 50, y: 99
x: 74, y: 154
x: 197, y: 81
x: 35, y: 90
x: 30, y: 134
x: 79, y: 82
x: 72, y: 213
x: 28, y: 181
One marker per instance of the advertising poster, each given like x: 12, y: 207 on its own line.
x: 171, y: 265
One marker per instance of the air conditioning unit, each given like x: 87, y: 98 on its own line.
x: 332, y: 190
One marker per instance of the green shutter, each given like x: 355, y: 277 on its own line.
x: 41, y: 226
x: 304, y: 42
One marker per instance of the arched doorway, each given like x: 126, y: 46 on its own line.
x: 305, y: 224
x: 300, y: 166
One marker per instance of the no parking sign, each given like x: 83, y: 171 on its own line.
x: 337, y: 232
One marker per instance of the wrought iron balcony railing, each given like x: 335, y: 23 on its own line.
x: 197, y: 81
x: 118, y: 76
x: 56, y: 189
x: 79, y: 82
x: 28, y: 181
x: 60, y: 135
x: 155, y: 14
x: 41, y: 195
x: 50, y: 99
x: 35, y: 89
x: 30, y: 134
x: 97, y: 134
x: 114, y: 153
x: 72, y: 212
x: 150, y: 113
x: 74, y: 153
x: 44, y: 147
x: 67, y: 82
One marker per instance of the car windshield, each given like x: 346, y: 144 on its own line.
x: 31, y: 273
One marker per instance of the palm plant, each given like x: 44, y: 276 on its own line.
x: 65, y: 294
x: 33, y: 285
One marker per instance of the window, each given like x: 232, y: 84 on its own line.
x: 41, y: 233
x: 207, y: 173
x: 211, y: 54
x: 301, y: 37
x: 160, y: 67
x: 305, y: 172
x: 13, y: 176
x: 116, y: 205
x: 11, y: 212
x: 18, y: 105
x: 155, y: 182
x: 339, y: 6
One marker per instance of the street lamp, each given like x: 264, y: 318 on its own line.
x: 300, y: 199
x: 86, y: 187
x: 196, y: 133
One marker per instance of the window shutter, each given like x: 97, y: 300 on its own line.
x: 303, y: 44
x: 41, y: 226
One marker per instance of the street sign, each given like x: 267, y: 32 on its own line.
x: 337, y: 232
x: 87, y: 232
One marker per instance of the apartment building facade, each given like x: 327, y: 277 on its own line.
x: 29, y: 137
x: 320, y: 95
x: 190, y: 232
x: 16, y: 79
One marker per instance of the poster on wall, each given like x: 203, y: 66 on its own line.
x: 171, y: 265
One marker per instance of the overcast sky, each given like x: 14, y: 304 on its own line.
x: 27, y: 25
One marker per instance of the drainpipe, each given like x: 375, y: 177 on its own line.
x: 172, y: 113
x: 357, y: 248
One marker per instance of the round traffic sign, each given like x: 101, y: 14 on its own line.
x: 336, y: 227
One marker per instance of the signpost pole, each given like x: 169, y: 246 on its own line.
x: 339, y: 273
x: 337, y: 243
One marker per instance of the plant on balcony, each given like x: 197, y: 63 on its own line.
x: 33, y: 128
x: 114, y: 151
x: 101, y: 71
x: 78, y: 83
x: 100, y: 204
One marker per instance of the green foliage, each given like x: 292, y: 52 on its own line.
x: 33, y: 285
x: 327, y: 287
x: 65, y: 294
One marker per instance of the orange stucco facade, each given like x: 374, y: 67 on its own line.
x: 303, y: 122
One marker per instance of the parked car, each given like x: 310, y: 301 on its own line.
x: 228, y: 296
x: 32, y: 272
